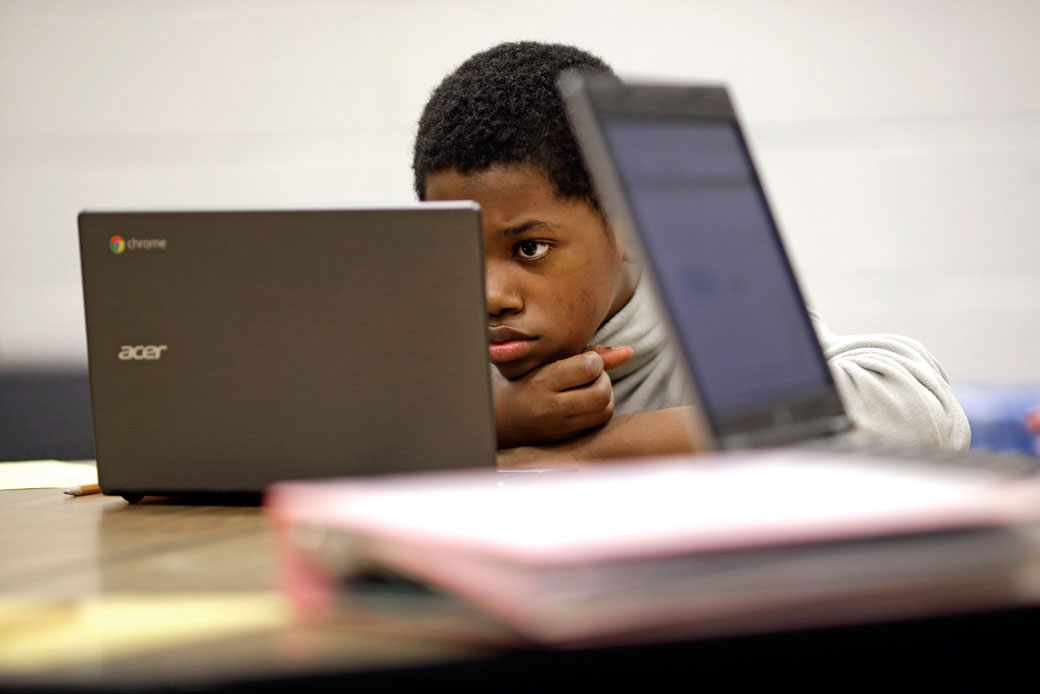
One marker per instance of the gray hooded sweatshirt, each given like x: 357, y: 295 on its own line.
x: 891, y: 386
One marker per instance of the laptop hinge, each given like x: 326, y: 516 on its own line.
x: 787, y: 433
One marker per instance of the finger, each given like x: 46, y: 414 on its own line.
x: 572, y: 372
x: 593, y: 397
x: 594, y: 417
x: 579, y: 423
x: 613, y: 357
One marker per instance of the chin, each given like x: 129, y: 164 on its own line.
x: 511, y: 371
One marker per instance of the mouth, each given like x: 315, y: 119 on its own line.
x: 509, y: 351
x: 508, y: 344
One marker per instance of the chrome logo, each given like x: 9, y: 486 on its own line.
x: 117, y: 244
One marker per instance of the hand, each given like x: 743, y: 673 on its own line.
x: 557, y: 400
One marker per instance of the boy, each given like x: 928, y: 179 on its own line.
x: 575, y: 335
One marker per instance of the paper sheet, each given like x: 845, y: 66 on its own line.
x: 46, y: 474
x: 38, y: 634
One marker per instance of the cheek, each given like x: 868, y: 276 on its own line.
x: 581, y: 314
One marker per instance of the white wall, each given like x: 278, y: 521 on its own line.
x: 900, y: 140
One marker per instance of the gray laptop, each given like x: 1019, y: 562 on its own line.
x: 673, y: 169
x: 231, y: 349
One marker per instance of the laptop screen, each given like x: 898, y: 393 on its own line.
x: 709, y: 235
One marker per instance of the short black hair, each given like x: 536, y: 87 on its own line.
x: 502, y: 107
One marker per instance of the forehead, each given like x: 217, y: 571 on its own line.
x: 509, y: 194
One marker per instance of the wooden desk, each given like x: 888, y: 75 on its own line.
x: 56, y: 547
x: 94, y: 548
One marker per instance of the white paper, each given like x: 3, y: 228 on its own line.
x: 45, y: 474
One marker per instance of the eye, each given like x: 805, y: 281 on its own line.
x: 532, y: 250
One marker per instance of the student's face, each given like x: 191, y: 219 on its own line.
x: 554, y: 272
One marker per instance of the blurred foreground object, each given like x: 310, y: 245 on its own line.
x: 740, y: 542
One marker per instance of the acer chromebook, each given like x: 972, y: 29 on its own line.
x: 673, y: 169
x: 231, y: 349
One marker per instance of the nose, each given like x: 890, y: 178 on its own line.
x: 503, y: 291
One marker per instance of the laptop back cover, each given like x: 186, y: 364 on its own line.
x: 231, y: 349
x: 672, y: 165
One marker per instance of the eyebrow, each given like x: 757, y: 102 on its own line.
x: 518, y: 229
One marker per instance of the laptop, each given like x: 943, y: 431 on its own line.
x: 674, y: 171
x: 229, y: 349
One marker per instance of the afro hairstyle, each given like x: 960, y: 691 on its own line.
x: 502, y: 106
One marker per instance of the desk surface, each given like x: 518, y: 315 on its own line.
x: 58, y: 548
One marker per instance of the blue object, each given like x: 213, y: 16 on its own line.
x: 997, y: 414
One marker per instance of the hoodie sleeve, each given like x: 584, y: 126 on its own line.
x: 894, y: 388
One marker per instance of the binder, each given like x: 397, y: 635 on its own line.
x: 637, y: 551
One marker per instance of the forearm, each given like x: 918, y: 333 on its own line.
x: 659, y: 432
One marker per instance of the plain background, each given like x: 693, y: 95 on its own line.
x: 899, y: 140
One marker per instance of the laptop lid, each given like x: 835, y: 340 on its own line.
x: 231, y: 349
x: 672, y: 167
